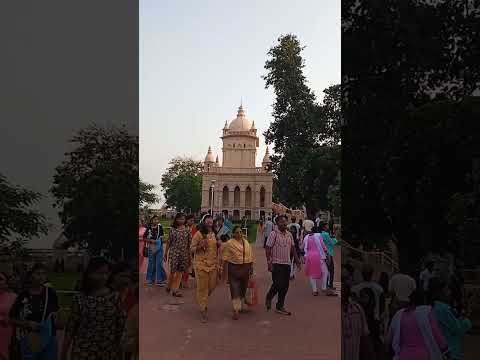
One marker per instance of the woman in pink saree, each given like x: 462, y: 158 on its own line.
x: 142, y: 263
x: 315, y: 265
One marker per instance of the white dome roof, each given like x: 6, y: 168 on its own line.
x: 209, y: 158
x: 241, y: 122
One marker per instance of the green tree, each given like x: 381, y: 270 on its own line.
x: 182, y: 184
x: 146, y: 194
x: 96, y: 190
x: 419, y: 51
x: 18, y: 221
x: 302, y: 132
x: 185, y: 193
x: 334, y: 195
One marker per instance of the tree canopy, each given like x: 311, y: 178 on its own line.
x: 97, y: 191
x: 18, y: 221
x: 146, y: 194
x: 182, y: 184
x: 400, y: 59
x: 305, y: 134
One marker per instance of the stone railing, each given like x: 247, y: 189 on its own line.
x: 380, y: 261
x: 236, y: 171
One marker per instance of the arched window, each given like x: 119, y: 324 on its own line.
x: 225, y: 196
x: 210, y: 197
x: 248, y: 197
x: 262, y: 197
x: 236, y: 197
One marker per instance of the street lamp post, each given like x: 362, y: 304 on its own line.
x: 212, y: 189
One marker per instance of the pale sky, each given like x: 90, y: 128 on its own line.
x: 199, y: 58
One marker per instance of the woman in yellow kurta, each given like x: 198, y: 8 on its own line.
x: 205, y: 263
x: 238, y: 263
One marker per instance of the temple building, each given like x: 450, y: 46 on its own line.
x: 237, y: 187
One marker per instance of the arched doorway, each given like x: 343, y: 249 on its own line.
x: 248, y: 197
x: 248, y: 214
x: 262, y: 197
x: 225, y: 214
x: 262, y: 214
x: 236, y: 197
x: 236, y: 215
x: 225, y: 196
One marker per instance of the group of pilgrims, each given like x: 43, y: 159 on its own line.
x: 408, y: 315
x: 216, y: 251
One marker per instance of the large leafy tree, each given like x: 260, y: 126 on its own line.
x: 304, y: 133
x: 182, y: 184
x: 400, y: 56
x: 18, y: 221
x: 185, y: 193
x: 146, y: 194
x: 96, y: 190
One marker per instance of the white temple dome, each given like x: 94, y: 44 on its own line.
x: 241, y: 122
x: 209, y: 158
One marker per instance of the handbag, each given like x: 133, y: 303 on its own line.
x: 145, y: 249
x: 251, y: 297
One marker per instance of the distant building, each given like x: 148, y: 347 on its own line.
x: 240, y: 188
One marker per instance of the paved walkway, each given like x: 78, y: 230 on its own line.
x: 174, y: 331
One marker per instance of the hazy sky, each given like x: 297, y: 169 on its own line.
x: 198, y: 58
x: 62, y: 69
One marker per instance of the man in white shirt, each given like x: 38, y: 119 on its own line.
x: 267, y: 230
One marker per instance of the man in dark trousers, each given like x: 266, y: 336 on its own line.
x: 278, y: 250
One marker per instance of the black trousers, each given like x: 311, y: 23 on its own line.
x: 281, y: 282
x: 331, y: 270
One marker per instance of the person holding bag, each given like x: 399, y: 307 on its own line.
x: 33, y: 314
x: 237, y: 258
x: 154, y: 237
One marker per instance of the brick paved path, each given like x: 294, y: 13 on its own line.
x: 173, y: 331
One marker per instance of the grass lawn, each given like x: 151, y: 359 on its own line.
x: 64, y: 282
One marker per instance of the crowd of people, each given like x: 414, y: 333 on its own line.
x: 410, y: 316
x: 216, y: 251
x: 103, y: 316
x: 102, y: 322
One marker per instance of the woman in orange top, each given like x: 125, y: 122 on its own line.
x: 205, y: 263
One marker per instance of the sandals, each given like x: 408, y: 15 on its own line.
x: 283, y: 312
x: 204, y: 317
x: 268, y: 304
x: 177, y: 294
